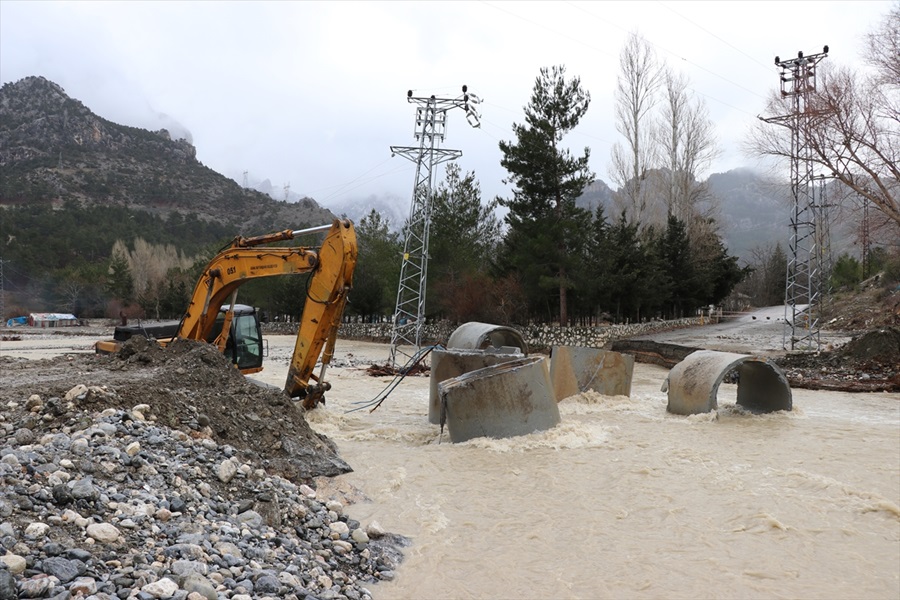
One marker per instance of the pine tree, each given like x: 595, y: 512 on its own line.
x: 376, y: 273
x: 464, y: 236
x: 546, y: 230
x: 119, y: 282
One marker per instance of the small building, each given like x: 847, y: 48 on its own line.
x: 45, y: 320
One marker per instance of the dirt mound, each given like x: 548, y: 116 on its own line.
x: 870, y: 308
x: 879, y: 346
x: 188, y: 386
x: 868, y: 362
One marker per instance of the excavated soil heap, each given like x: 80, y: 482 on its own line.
x: 189, y: 386
x: 868, y: 362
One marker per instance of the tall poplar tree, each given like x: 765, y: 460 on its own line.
x: 546, y: 229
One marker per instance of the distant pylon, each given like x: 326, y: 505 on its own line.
x: 246, y: 179
x: 866, y: 242
x: 803, y: 285
x: 287, y: 191
x: 408, y: 319
x: 2, y: 296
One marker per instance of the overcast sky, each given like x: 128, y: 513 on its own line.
x: 313, y: 94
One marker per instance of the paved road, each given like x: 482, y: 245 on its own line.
x: 757, y: 332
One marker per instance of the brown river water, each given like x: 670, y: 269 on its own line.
x: 622, y: 500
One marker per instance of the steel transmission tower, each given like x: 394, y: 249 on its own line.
x: 2, y: 296
x: 866, y: 242
x: 431, y: 120
x: 806, y: 267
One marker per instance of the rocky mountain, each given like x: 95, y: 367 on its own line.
x: 752, y: 210
x: 597, y: 194
x: 54, y: 150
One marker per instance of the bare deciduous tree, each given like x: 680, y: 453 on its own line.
x: 852, y: 124
x: 883, y: 48
x: 150, y: 264
x: 70, y: 292
x: 635, y: 99
x: 686, y: 142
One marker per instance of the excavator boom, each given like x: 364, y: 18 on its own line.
x: 332, y: 268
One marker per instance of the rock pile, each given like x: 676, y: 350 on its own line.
x: 106, y: 501
x: 869, y: 362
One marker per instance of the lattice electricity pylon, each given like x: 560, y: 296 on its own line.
x: 804, y: 270
x: 824, y: 255
x: 431, y: 120
x: 865, y: 241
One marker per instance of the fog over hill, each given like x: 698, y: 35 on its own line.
x: 55, y: 149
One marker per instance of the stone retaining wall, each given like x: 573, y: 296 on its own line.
x: 538, y: 337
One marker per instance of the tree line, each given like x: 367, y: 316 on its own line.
x: 656, y: 252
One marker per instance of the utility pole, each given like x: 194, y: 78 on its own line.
x: 866, y: 242
x: 408, y: 319
x: 2, y: 295
x: 805, y: 266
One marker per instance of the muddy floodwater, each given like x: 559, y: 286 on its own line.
x: 621, y: 500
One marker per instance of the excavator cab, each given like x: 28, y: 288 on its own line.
x: 245, y: 340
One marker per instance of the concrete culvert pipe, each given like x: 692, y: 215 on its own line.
x: 506, y: 400
x: 485, y: 336
x: 693, y: 384
x: 453, y: 362
x: 576, y: 369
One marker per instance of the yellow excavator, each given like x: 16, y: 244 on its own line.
x: 214, y: 316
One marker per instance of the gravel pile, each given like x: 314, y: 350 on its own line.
x: 104, y: 499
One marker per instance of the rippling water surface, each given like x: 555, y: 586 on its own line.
x: 624, y: 500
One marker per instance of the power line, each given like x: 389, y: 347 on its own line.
x: 617, y: 26
x: 700, y: 27
x: 676, y: 55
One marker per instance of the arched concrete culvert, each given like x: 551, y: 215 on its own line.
x: 453, y: 362
x: 481, y: 336
x: 505, y: 400
x: 693, y: 383
x: 575, y: 369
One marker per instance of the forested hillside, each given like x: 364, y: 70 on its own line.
x: 72, y: 184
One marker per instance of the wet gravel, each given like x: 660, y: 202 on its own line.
x: 129, y: 483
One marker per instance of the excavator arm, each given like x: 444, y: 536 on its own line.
x: 326, y: 295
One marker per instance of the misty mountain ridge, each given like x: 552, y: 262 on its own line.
x: 53, y: 150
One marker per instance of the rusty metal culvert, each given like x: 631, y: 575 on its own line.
x: 505, y: 400
x: 693, y: 383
